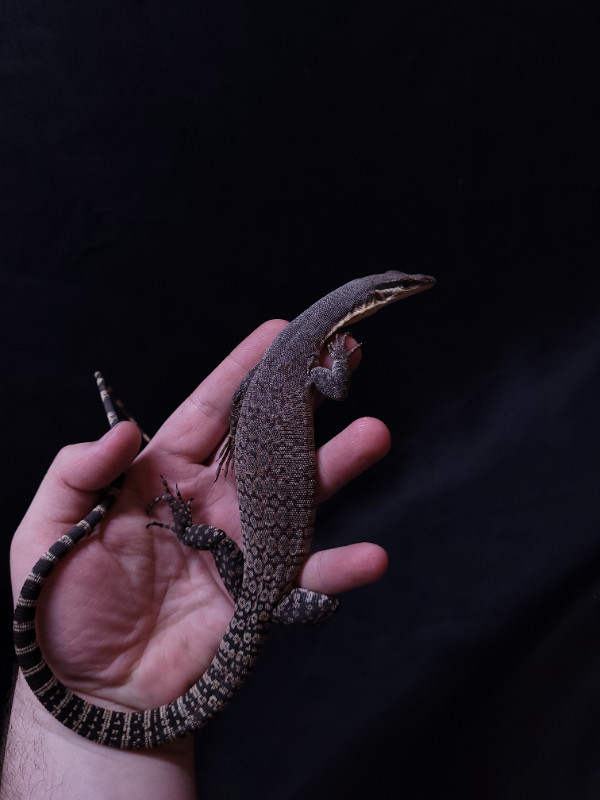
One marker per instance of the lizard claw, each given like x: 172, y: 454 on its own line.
x: 225, y: 457
x: 180, y: 509
x: 337, y: 346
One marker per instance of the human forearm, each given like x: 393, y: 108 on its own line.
x: 45, y: 760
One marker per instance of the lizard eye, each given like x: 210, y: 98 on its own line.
x: 409, y: 283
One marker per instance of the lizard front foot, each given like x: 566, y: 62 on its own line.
x: 335, y: 382
x: 337, y: 347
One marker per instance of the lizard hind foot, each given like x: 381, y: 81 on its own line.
x: 180, y: 509
x: 304, y: 605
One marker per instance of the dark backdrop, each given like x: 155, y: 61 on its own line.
x: 174, y: 173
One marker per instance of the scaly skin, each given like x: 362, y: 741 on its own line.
x: 271, y: 444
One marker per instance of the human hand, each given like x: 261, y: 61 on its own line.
x: 133, y: 617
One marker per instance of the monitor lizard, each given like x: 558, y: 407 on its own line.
x: 271, y: 445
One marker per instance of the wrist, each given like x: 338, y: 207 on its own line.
x: 45, y: 759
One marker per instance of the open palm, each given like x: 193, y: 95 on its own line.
x: 132, y: 617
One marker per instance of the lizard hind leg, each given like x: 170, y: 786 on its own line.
x: 180, y: 510
x: 304, y: 605
x: 227, y: 555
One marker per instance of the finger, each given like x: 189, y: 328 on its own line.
x: 69, y: 491
x: 364, y: 442
x: 77, y: 475
x: 197, y: 427
x: 343, y: 568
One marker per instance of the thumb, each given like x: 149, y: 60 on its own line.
x: 71, y: 488
x: 92, y: 466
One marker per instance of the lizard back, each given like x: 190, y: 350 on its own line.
x: 271, y: 442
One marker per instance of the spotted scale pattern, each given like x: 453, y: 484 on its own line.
x: 271, y: 445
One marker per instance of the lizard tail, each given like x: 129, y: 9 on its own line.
x: 120, y: 729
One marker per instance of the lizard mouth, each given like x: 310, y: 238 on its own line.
x: 407, y: 284
x: 394, y: 286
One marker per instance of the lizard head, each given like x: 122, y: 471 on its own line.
x: 376, y: 291
x: 392, y: 285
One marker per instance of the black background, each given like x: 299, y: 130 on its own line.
x: 174, y: 173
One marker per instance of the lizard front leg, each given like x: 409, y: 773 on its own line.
x: 228, y: 449
x: 334, y: 383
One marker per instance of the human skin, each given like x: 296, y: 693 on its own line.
x: 134, y: 617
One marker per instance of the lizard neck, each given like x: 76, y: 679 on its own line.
x: 305, y: 335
